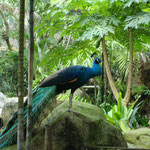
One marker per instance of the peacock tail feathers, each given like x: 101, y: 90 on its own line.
x: 41, y: 98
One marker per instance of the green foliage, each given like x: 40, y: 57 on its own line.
x: 9, y: 73
x: 119, y: 115
x: 138, y: 91
x: 136, y: 20
x: 121, y: 58
x: 142, y: 93
x: 136, y: 119
x: 128, y: 3
x: 77, y: 54
x: 140, y: 121
x: 63, y: 97
x: 97, y: 45
x: 85, y: 20
x: 96, y: 31
x: 141, y: 90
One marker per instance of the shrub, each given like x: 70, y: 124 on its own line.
x: 9, y: 73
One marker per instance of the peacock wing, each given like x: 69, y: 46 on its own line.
x: 63, y: 76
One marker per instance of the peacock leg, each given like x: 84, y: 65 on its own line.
x: 70, y: 101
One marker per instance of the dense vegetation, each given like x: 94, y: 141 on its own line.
x: 67, y: 32
x: 9, y: 73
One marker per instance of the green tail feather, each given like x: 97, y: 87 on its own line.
x: 41, y: 97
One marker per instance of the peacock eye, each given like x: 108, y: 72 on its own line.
x: 98, y: 60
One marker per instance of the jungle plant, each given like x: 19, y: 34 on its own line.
x: 120, y: 115
x: 80, y: 22
x: 143, y: 94
x: 63, y: 97
x: 9, y: 73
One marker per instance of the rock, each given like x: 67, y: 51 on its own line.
x: 78, y: 92
x: 139, y: 138
x: 8, y: 110
x: 2, y: 97
x: 87, y: 126
x: 8, y: 106
x: 2, y: 101
x: 12, y: 99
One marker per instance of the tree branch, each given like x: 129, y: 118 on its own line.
x: 6, y: 37
x: 129, y: 85
x: 108, y: 72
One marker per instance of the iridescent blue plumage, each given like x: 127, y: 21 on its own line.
x: 72, y: 78
x: 67, y: 78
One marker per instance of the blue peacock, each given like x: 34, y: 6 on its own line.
x: 68, y: 78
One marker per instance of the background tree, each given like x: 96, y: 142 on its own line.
x: 130, y: 76
x: 109, y: 75
x: 6, y: 33
x: 20, y: 135
x: 30, y: 77
x: 93, y: 19
x: 71, y: 30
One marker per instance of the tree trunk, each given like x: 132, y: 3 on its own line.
x: 30, y: 77
x: 129, y: 85
x: 108, y: 72
x: 103, y: 85
x: 6, y: 34
x: 20, y: 133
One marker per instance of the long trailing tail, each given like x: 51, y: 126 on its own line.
x: 41, y: 97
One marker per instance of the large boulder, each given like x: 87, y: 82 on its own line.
x: 8, y: 106
x: 2, y: 101
x: 139, y: 138
x: 86, y: 126
x: 8, y: 111
x: 2, y: 98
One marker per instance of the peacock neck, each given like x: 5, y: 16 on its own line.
x: 96, y: 69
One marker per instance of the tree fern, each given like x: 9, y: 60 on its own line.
x: 137, y: 20
x: 96, y: 31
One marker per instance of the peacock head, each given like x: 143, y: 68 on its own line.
x: 97, y: 59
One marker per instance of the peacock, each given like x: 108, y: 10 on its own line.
x: 68, y: 78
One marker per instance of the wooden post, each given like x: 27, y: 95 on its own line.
x: 48, y: 138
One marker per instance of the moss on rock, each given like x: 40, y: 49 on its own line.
x: 86, y: 126
x: 139, y: 138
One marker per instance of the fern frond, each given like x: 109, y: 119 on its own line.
x: 97, y: 31
x: 137, y: 20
